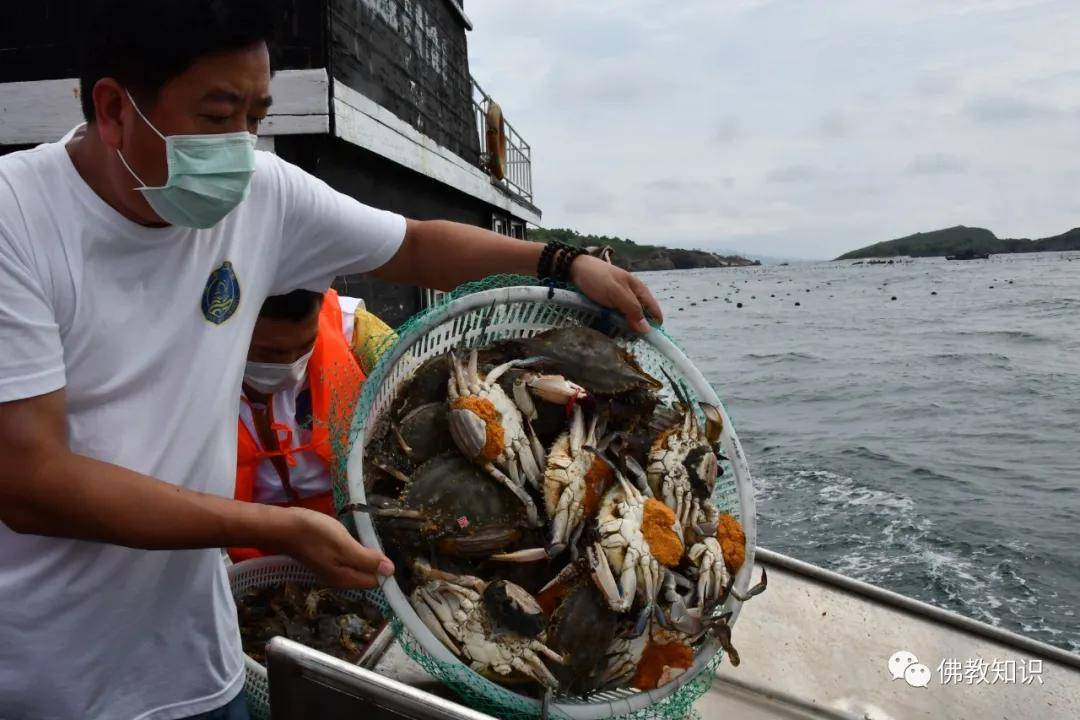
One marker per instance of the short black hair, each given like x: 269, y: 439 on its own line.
x: 295, y: 306
x: 145, y: 43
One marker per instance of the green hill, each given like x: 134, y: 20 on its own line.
x: 630, y: 255
x: 960, y: 240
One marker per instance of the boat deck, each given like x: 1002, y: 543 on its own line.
x: 817, y: 645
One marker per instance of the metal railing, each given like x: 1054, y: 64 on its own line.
x: 518, y: 178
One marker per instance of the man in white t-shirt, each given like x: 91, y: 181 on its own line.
x: 133, y: 262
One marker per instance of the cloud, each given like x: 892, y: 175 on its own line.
x: 728, y: 129
x: 936, y: 164
x: 833, y: 126
x: 995, y: 110
x: 867, y: 122
x: 792, y: 174
x: 934, y: 85
x: 590, y: 201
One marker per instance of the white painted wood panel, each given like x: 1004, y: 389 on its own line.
x: 44, y: 110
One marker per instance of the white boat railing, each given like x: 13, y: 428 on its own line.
x: 518, y: 179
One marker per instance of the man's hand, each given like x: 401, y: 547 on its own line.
x: 324, y: 545
x: 616, y: 288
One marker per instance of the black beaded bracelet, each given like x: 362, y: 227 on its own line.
x: 547, y: 255
x: 566, y: 258
x: 556, y: 259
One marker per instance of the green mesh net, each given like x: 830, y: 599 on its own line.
x: 474, y: 690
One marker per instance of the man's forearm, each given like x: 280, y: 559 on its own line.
x: 77, y: 497
x: 442, y: 254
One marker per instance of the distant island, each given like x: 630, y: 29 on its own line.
x: 631, y: 256
x: 963, y: 241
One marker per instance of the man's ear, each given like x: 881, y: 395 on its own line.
x: 110, y: 113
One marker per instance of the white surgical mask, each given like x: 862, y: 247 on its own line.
x: 270, y: 378
x: 209, y: 175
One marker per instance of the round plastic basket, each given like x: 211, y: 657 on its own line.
x: 258, y: 573
x: 471, y: 319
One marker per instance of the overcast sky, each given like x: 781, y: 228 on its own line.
x: 790, y: 128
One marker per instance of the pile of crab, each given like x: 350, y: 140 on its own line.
x: 551, y: 517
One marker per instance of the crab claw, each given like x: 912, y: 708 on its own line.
x: 555, y: 389
x: 722, y: 631
x: 714, y: 421
x: 755, y: 590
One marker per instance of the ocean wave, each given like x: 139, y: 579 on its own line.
x: 879, y: 536
x: 785, y: 357
x: 1015, y: 335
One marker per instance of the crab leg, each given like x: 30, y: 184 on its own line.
x: 577, y: 431
x: 639, y: 475
x: 537, y: 449
x: 519, y: 492
x: 458, y: 385
x: 471, y: 374
x: 529, y: 663
x: 523, y: 400
x: 603, y: 577
x: 498, y: 371
x: 523, y: 556
x: 432, y: 622
x: 527, y: 459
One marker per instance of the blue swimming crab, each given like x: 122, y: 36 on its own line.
x: 497, y: 628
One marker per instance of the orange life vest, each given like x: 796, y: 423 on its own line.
x: 334, y: 379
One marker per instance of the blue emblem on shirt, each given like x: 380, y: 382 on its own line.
x: 221, y: 296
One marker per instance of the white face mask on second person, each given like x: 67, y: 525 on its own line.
x: 270, y: 378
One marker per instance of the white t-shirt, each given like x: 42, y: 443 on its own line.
x: 116, y: 313
x: 291, y: 407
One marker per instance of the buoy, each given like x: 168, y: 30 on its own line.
x: 797, y: 304
x: 738, y: 305
x: 495, y: 136
x: 933, y: 292
x: 893, y: 297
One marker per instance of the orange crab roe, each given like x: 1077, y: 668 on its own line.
x: 597, y: 480
x: 732, y: 541
x: 656, y: 659
x: 658, y: 527
x: 495, y: 439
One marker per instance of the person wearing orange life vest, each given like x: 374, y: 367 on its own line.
x: 301, y: 382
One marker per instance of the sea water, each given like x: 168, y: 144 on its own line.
x: 915, y: 425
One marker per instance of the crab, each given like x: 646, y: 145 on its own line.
x: 637, y: 535
x: 679, y: 623
x: 575, y: 479
x: 489, y: 430
x: 449, y: 504
x: 666, y: 650
x: 683, y: 466
x: 716, y: 555
x: 477, y: 624
x: 588, y: 357
x: 578, y: 615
